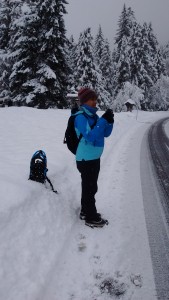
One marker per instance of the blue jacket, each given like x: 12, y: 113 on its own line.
x: 91, y: 144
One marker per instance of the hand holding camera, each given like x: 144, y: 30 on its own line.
x: 109, y: 116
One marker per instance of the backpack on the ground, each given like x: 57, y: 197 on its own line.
x: 38, y: 168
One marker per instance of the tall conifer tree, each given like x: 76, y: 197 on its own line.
x: 40, y: 74
x: 87, y: 73
x: 71, y: 60
x: 98, y: 46
x: 10, y: 11
x: 106, y: 66
x: 126, y: 22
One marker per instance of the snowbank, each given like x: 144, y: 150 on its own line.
x: 46, y: 251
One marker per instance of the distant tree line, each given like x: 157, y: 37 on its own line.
x: 40, y: 65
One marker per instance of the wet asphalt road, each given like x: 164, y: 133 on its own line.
x: 155, y: 189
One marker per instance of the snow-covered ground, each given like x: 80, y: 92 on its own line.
x: 46, y: 252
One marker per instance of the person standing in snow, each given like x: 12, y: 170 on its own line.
x: 92, y: 131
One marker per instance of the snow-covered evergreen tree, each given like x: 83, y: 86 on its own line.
x: 102, y: 58
x: 87, y: 74
x: 53, y: 69
x: 5, y: 23
x: 98, y: 46
x: 123, y: 65
x: 125, y: 26
x: 23, y: 79
x: 71, y: 60
x: 165, y: 55
x: 138, y: 57
x: 39, y: 76
x: 159, y: 94
x: 10, y: 10
x: 160, y: 63
x: 114, y: 71
x: 165, y: 51
x: 149, y: 74
x: 106, y: 66
x: 136, y: 67
x: 129, y: 91
x: 156, y: 53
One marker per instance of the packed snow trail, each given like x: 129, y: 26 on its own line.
x: 92, y: 257
x: 46, y: 251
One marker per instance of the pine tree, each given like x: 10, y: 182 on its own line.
x: 160, y: 64
x: 123, y: 65
x: 102, y: 58
x: 98, y: 46
x: 114, y: 71
x: 71, y: 60
x: 53, y: 69
x: 156, y: 53
x: 125, y: 24
x: 86, y: 68
x: 39, y: 76
x: 106, y: 66
x: 150, y: 75
x: 23, y: 79
x: 87, y: 73
x: 9, y: 13
x: 158, y: 94
x: 136, y: 56
x: 5, y: 22
x: 165, y: 51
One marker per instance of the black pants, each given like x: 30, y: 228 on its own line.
x: 89, y: 173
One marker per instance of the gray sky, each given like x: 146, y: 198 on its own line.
x: 91, y: 13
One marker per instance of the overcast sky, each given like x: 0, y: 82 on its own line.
x: 91, y: 13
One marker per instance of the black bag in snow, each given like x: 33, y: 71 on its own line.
x: 38, y: 168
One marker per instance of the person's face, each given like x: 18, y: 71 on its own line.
x: 91, y: 102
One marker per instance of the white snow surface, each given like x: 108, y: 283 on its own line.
x: 46, y: 252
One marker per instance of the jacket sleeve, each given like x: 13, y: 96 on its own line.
x: 101, y: 128
x: 108, y: 130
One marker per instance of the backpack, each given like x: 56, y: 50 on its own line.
x: 71, y: 138
x: 38, y: 168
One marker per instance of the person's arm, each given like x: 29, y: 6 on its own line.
x: 109, y: 117
x: 108, y: 129
x: 82, y: 125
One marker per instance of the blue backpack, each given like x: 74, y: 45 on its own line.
x: 38, y: 168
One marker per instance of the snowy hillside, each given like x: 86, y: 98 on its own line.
x: 46, y: 252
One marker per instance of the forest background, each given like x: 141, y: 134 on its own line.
x: 40, y: 65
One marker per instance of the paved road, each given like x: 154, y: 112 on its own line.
x: 155, y: 188
x: 159, y: 147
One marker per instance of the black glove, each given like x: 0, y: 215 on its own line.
x: 109, y: 116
